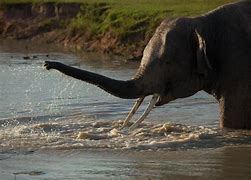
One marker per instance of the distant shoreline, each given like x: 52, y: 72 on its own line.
x: 113, y: 27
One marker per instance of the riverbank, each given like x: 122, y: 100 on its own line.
x: 121, y: 28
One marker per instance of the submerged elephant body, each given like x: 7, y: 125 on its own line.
x: 210, y: 52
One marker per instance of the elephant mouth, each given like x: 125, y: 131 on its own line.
x: 166, y: 96
x: 164, y: 99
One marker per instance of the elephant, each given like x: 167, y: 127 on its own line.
x: 210, y: 53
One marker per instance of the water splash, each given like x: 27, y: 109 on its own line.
x: 77, y: 131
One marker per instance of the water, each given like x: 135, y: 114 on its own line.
x: 44, y: 114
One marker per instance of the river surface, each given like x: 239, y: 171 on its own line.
x: 55, y: 127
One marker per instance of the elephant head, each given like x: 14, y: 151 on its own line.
x: 174, y: 65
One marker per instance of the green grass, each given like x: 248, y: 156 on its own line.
x: 134, y: 16
x: 125, y: 18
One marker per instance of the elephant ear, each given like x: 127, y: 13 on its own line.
x: 203, y: 63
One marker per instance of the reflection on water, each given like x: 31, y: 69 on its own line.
x: 223, y: 163
x: 43, y: 110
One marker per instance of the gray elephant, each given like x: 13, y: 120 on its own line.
x: 211, y: 52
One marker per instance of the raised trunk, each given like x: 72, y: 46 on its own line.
x: 124, y: 89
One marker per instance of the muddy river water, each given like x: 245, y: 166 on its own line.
x: 56, y: 127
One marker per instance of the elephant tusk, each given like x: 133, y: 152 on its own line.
x: 146, y: 112
x: 133, y: 110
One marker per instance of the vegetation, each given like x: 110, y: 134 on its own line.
x: 127, y: 18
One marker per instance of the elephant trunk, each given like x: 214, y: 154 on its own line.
x: 129, y: 89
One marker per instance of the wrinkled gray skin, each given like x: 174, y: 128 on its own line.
x: 210, y: 52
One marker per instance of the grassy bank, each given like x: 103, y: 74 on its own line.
x: 130, y: 21
x: 129, y: 17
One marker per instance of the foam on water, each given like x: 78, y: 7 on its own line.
x: 77, y: 131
